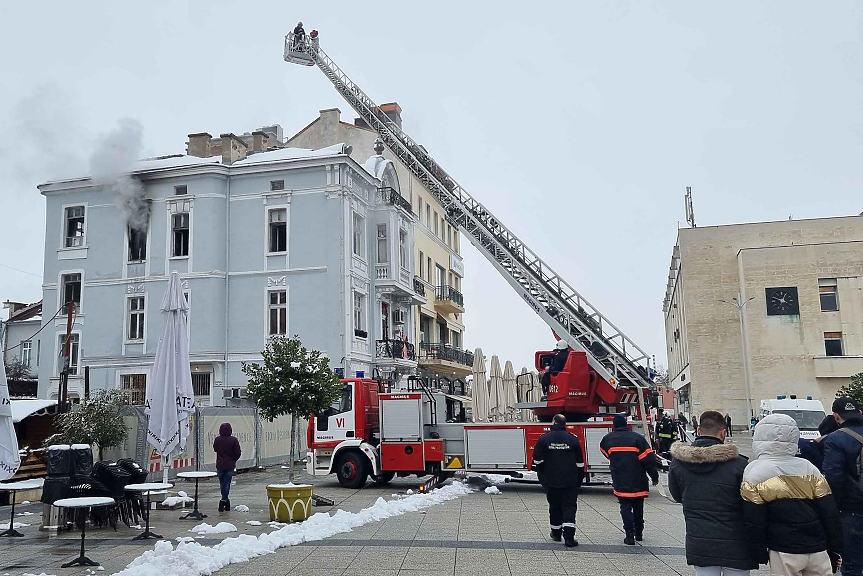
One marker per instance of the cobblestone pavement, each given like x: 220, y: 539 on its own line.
x: 477, y: 534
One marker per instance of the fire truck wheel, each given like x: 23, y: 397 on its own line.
x: 351, y: 470
x: 384, y: 478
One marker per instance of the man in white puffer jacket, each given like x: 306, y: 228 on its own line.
x: 791, y: 518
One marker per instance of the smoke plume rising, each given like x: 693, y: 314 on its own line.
x: 111, y: 163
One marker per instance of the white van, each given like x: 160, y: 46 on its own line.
x: 807, y: 413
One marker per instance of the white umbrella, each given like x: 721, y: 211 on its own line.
x: 496, y: 393
x: 535, y: 392
x: 170, y: 398
x: 9, y: 458
x: 524, y: 386
x: 479, y: 388
x: 510, y: 397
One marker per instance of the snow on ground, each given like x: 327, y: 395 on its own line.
x: 253, y: 523
x: 15, y: 525
x: 241, y: 508
x: 193, y: 559
x: 220, y: 528
x: 25, y: 514
x: 185, y: 538
x: 495, y: 478
x: 492, y: 490
x: 180, y: 498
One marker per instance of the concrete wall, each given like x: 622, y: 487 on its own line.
x: 785, y: 352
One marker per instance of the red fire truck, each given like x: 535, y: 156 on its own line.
x: 372, y: 433
x: 369, y: 432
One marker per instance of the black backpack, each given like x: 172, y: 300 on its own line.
x: 859, y: 439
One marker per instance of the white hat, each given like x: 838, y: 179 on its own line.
x: 561, y: 345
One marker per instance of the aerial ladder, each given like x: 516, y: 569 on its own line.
x: 614, y: 356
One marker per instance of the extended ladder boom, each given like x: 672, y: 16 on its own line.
x: 610, y: 352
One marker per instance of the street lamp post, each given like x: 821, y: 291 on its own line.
x: 740, y: 304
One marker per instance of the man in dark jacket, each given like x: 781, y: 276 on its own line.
x: 227, y: 449
x: 791, y: 517
x: 706, y: 478
x: 632, y: 461
x: 842, y: 454
x: 813, y: 450
x: 558, y: 363
x: 559, y: 464
x: 666, y: 433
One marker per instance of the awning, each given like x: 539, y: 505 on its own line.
x: 23, y: 408
x: 449, y: 323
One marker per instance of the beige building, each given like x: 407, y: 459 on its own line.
x: 800, y: 283
x: 439, y: 333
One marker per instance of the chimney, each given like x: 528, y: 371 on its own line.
x: 199, y: 145
x: 331, y: 116
x: 233, y: 148
x: 14, y: 307
x: 260, y: 141
x: 394, y: 111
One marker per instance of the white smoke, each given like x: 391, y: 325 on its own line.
x: 111, y: 163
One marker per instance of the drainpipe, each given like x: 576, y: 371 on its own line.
x: 227, y: 273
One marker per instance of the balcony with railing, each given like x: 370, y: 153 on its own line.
x: 391, y: 196
x: 446, y: 357
x: 419, y: 286
x: 398, y: 351
x: 449, y: 299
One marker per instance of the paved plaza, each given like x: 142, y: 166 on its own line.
x: 478, y: 534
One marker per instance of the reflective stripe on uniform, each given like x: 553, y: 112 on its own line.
x: 536, y: 462
x: 623, y: 449
x: 568, y: 524
x: 632, y: 494
x: 580, y: 464
x: 665, y: 435
x: 645, y: 453
x: 553, y: 527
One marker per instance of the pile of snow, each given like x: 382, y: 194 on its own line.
x: 193, y: 559
x: 495, y: 479
x: 15, y: 525
x: 180, y: 498
x: 253, y: 523
x: 492, y: 490
x: 220, y: 528
x: 24, y: 503
x: 185, y: 538
x: 241, y: 508
x: 24, y: 514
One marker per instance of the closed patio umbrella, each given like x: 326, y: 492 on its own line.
x: 9, y: 458
x: 524, y: 386
x: 496, y: 395
x: 479, y: 388
x: 170, y: 398
x: 510, y: 396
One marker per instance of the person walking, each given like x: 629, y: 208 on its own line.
x: 559, y: 464
x: 682, y: 423
x: 632, y: 461
x: 666, y: 431
x: 706, y: 477
x: 228, y: 451
x: 813, y: 450
x: 843, y: 464
x: 791, y: 517
x: 728, y: 431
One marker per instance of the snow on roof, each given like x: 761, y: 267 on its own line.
x: 290, y: 154
x: 23, y: 408
x: 376, y: 165
x: 176, y: 161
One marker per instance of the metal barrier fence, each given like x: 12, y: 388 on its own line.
x: 263, y: 443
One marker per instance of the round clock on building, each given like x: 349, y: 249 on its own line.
x: 782, y: 301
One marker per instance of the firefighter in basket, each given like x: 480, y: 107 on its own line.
x: 558, y: 363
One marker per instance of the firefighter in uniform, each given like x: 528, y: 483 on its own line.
x: 632, y: 461
x: 559, y: 464
x: 666, y: 433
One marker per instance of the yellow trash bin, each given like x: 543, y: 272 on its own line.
x: 289, y: 502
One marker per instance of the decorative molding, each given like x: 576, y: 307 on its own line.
x: 135, y: 289
x: 277, y: 281
x: 360, y: 284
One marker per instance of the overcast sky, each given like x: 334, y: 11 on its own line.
x: 578, y: 124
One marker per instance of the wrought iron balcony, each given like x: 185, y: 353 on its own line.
x: 438, y: 351
x: 391, y: 196
x: 395, y: 349
x: 419, y: 286
x: 450, y: 294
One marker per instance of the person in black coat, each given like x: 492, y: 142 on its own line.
x: 813, y: 450
x: 632, y: 461
x: 706, y: 477
x: 559, y: 464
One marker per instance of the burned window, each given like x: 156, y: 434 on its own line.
x: 279, y: 230
x: 74, y: 227
x: 137, y: 245
x: 180, y: 230
x: 72, y: 289
x: 833, y: 344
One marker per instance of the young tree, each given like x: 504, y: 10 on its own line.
x: 292, y: 380
x: 853, y: 389
x: 97, y: 420
x: 16, y: 370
